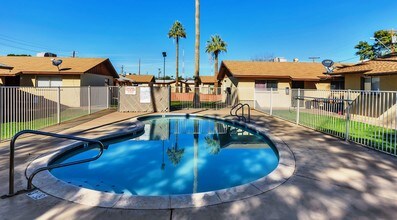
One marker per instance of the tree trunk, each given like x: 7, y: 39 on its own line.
x: 196, y: 99
x: 177, y: 65
x: 216, y: 64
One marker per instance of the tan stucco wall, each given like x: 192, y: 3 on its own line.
x: 70, y: 80
x: 246, y: 90
x: 323, y: 86
x: 67, y: 80
x: 388, y: 83
x: 353, y: 81
x: 282, y: 84
x: 89, y: 79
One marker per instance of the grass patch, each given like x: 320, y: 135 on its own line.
x: 7, y: 130
x: 371, y: 135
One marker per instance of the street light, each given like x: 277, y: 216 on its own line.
x: 376, y: 39
x: 164, y: 56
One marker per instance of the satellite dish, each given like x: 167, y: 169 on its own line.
x: 56, y: 63
x: 328, y: 63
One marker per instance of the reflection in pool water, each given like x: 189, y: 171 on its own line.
x: 175, y: 155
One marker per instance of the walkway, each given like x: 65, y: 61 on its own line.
x: 333, y: 180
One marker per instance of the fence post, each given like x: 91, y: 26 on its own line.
x: 107, y: 97
x: 395, y: 127
x: 89, y: 100
x: 254, y: 98
x: 59, y: 105
x: 298, y: 107
x: 2, y: 105
x: 118, y: 98
x: 271, y: 101
x: 347, y: 116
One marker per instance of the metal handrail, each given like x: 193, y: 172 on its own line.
x: 30, y: 178
x: 231, y: 110
x: 241, y: 106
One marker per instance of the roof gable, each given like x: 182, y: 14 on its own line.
x: 383, y: 65
x: 141, y: 78
x: 43, y: 65
x: 291, y: 70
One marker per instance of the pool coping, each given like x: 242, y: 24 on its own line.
x: 50, y: 185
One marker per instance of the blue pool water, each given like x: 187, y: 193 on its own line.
x: 175, y: 155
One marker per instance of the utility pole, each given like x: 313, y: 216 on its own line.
x: 139, y: 67
x: 74, y: 54
x: 393, y: 41
x: 314, y: 59
x: 122, y: 69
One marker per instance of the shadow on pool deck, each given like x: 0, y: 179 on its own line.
x: 333, y: 180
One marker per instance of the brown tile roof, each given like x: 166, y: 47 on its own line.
x: 69, y: 66
x: 384, y: 65
x: 289, y: 70
x: 208, y: 79
x: 141, y: 78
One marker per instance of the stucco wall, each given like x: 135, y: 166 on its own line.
x: 67, y: 80
x: 353, y: 81
x: 89, y: 79
x: 70, y: 80
x: 282, y: 84
x: 323, y: 85
x: 388, y: 83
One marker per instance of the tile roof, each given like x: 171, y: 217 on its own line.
x: 141, y: 78
x: 208, y: 79
x: 289, y: 70
x: 384, y: 65
x: 43, y: 65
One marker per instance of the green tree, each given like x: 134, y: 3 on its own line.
x: 382, y: 45
x: 196, y: 98
x: 18, y: 55
x: 177, y: 31
x: 383, y: 42
x: 215, y: 46
x: 365, y: 50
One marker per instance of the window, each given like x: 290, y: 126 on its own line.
x: 48, y: 81
x: 370, y: 83
x: 266, y: 84
x: 335, y: 85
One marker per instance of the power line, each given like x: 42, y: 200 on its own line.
x: 24, y: 44
x: 23, y: 41
x: 20, y: 48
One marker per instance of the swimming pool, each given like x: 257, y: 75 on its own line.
x: 175, y: 155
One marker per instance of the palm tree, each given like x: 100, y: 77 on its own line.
x: 177, y: 31
x: 215, y: 46
x: 196, y: 99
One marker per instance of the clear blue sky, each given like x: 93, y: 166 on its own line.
x: 125, y: 30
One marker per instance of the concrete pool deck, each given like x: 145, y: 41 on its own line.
x: 332, y: 180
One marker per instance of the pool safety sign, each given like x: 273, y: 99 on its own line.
x: 37, y: 195
x: 130, y: 90
x: 145, y: 96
